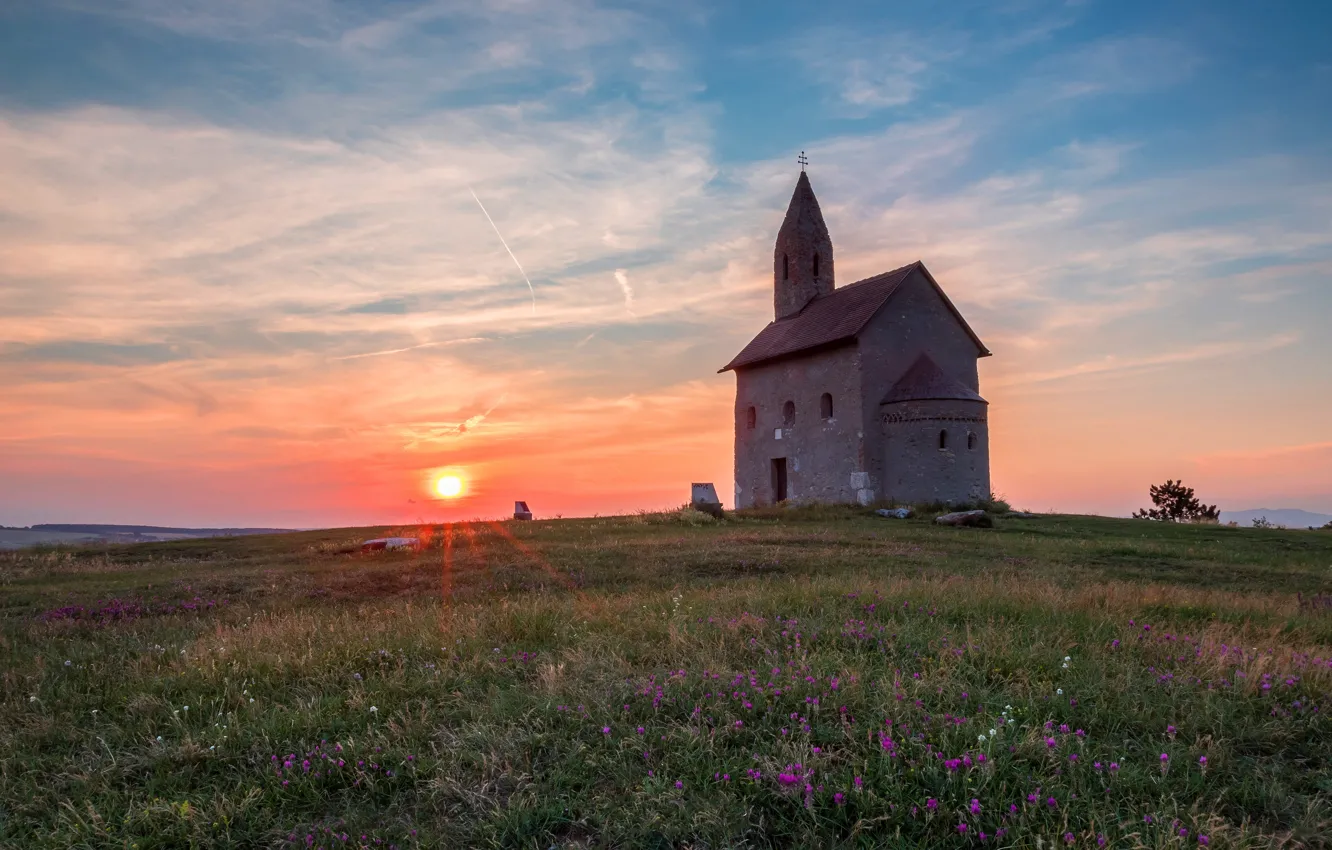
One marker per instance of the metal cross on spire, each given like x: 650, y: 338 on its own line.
x: 803, y: 160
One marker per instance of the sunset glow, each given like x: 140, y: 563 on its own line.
x: 449, y: 486
x: 326, y: 256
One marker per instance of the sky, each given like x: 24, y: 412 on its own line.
x: 284, y: 262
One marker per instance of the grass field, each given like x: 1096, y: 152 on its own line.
x: 808, y: 678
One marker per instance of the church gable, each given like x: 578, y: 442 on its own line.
x: 839, y: 317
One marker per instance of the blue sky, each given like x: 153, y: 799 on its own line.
x: 241, y: 239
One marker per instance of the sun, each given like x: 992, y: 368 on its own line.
x: 449, y: 486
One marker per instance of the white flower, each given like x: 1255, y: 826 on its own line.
x: 1068, y: 658
x: 187, y: 708
x: 980, y: 738
x: 374, y: 709
x: 159, y: 739
x: 1059, y: 691
x: 67, y: 663
x: 993, y: 733
x: 32, y: 698
x: 251, y: 699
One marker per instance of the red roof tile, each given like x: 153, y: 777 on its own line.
x: 926, y: 381
x: 827, y: 320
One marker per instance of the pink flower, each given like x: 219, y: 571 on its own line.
x: 679, y: 784
x: 962, y: 829
x: 975, y: 806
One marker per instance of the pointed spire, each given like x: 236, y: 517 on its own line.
x: 803, y: 257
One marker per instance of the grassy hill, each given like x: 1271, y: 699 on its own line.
x: 819, y: 677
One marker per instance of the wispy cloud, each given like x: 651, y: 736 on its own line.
x: 1112, y: 363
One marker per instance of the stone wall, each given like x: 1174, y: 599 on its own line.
x: 915, y: 319
x: 920, y: 467
x: 825, y: 458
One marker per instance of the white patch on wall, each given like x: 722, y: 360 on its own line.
x: 737, y: 494
x: 864, y: 497
x: 777, y: 434
x: 859, y: 480
x: 795, y: 464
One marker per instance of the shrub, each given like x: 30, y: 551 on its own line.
x: 1176, y: 503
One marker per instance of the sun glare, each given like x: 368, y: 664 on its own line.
x: 449, y: 486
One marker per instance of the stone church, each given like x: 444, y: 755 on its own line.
x: 857, y: 393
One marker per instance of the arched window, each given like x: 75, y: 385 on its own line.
x: 943, y: 439
x: 786, y: 270
x: 971, y: 441
x: 751, y: 418
x: 825, y: 406
x: 788, y: 414
x: 816, y: 264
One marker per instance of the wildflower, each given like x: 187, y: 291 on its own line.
x: 858, y: 782
x: 1096, y: 765
x: 1170, y: 730
x: 68, y: 663
x: 679, y: 784
x: 993, y: 733
x: 1202, y: 761
x: 839, y: 798
x: 1052, y: 802
x: 1204, y: 840
x: 931, y: 804
x: 975, y: 806
x: 1100, y: 840
x: 605, y: 730
x: 1114, y: 767
x: 961, y: 829
x: 1068, y: 838
x: 374, y: 709
x: 1073, y: 757
x: 980, y: 738
x: 1059, y: 691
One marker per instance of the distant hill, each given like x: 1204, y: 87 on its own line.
x: 1289, y: 517
x: 73, y: 534
x: 93, y: 528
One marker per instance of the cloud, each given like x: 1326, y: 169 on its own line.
x: 1112, y: 363
x: 622, y: 278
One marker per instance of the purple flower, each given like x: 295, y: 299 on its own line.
x: 961, y: 829
x: 679, y: 784
x: 931, y: 804
x: 1100, y: 840
x: 975, y: 806
x: 605, y: 730
x: 858, y: 782
x: 1204, y: 840
x: 1052, y: 802
x: 1202, y: 760
x: 1068, y: 838
x: 839, y: 798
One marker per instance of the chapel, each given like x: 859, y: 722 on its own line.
x: 860, y: 393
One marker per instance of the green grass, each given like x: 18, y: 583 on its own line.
x: 489, y: 690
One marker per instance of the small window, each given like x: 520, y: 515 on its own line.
x: 943, y: 439
x: 825, y: 406
x: 751, y: 418
x: 816, y: 265
x: 788, y: 414
x: 971, y: 441
x: 786, y: 270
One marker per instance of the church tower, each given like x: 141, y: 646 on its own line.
x: 803, y: 258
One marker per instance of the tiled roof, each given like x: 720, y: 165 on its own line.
x: 926, y: 381
x: 836, y: 318
x: 827, y: 320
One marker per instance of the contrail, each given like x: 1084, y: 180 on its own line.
x: 506, y: 247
